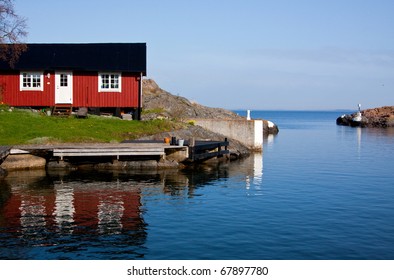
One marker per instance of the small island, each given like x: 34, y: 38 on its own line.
x: 382, y: 117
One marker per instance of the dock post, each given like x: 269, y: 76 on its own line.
x: 192, y: 144
x: 115, y: 159
x: 226, y: 148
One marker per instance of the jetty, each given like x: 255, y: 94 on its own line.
x: 129, y: 154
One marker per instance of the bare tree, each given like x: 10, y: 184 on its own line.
x: 12, y: 32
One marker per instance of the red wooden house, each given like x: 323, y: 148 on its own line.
x: 105, y: 76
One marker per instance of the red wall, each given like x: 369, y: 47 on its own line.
x: 85, y: 87
x: 11, y: 95
x: 85, y: 91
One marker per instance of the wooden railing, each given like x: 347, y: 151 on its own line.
x: 204, y: 150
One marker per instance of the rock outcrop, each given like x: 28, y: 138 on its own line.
x: 378, y: 117
x: 158, y: 103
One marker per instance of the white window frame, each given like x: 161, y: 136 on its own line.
x: 101, y: 87
x: 31, y: 75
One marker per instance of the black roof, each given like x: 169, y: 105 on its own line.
x: 121, y: 57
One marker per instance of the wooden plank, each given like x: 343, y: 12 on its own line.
x: 204, y: 156
x: 86, y: 154
x: 62, y: 110
x: 94, y: 150
x: 141, y: 151
x: 92, y: 146
x: 18, y: 152
x: 209, y: 145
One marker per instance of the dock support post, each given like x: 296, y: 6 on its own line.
x: 192, y: 144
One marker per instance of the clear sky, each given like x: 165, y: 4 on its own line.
x: 246, y: 54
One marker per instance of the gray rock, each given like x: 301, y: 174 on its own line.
x: 162, y: 104
x: 60, y: 165
x: 25, y: 161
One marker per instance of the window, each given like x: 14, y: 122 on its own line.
x: 110, y: 82
x: 63, y: 80
x: 31, y: 81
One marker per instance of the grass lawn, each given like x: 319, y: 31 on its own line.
x: 26, y: 127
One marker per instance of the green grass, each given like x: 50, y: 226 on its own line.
x: 25, y: 127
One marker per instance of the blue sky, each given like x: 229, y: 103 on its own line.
x: 248, y: 54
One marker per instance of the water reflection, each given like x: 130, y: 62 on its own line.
x: 269, y: 140
x: 64, y: 209
x: 65, y: 212
x: 256, y: 179
x: 359, y: 135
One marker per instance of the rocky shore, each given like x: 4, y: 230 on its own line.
x: 382, y: 117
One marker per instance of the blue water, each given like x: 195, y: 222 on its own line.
x: 319, y: 191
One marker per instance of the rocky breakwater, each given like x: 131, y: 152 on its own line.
x: 382, y: 117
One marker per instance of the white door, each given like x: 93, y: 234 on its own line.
x: 63, y: 87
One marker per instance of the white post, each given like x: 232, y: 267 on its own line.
x: 248, y: 115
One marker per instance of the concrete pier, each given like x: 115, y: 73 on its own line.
x: 248, y: 132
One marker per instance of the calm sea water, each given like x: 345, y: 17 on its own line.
x: 319, y: 191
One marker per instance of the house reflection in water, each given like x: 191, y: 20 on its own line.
x: 73, y: 207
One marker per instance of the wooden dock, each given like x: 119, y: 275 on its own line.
x: 114, y: 152
x: 93, y: 150
x: 139, y: 151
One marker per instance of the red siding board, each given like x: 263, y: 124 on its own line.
x: 85, y: 91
